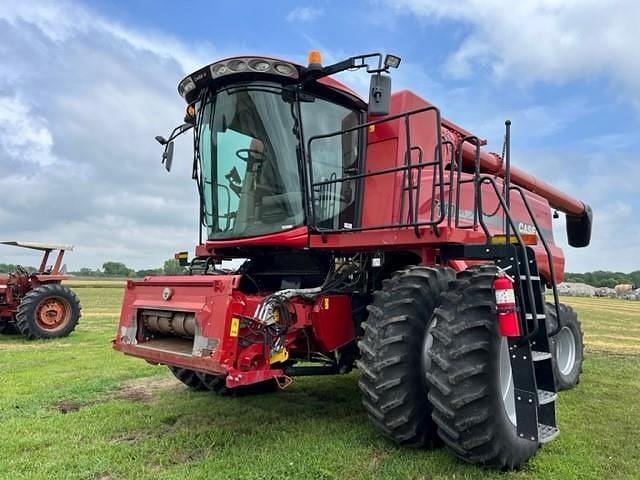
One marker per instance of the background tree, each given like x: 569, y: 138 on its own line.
x: 173, y: 267
x: 116, y: 269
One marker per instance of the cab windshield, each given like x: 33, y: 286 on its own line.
x: 248, y: 140
x: 250, y: 177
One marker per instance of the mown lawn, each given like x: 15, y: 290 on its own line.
x: 75, y: 409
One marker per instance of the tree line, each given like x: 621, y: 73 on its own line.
x: 113, y: 269
x: 603, y: 278
x: 599, y: 278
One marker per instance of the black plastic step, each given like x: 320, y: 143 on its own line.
x: 539, y: 356
x: 545, y: 397
x: 546, y: 433
x: 533, y: 278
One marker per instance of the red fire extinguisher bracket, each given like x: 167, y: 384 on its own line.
x: 507, y: 312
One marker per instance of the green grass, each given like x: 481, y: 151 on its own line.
x: 75, y: 409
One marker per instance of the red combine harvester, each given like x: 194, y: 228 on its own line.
x: 376, y: 235
x: 37, y: 304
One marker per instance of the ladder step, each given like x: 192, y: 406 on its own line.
x: 533, y: 277
x: 546, y: 433
x: 539, y: 316
x: 544, y: 397
x: 539, y: 356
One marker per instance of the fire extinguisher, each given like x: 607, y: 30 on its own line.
x: 508, y: 322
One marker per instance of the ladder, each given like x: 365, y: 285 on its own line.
x: 534, y: 386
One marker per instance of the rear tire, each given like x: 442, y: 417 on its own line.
x: 48, y: 311
x: 392, y: 385
x: 465, y: 376
x: 8, y: 327
x: 567, y: 346
x: 188, y: 377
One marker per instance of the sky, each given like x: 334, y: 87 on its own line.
x: 85, y: 86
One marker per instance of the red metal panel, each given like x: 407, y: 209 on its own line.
x: 378, y: 209
x: 332, y: 323
x: 294, y: 238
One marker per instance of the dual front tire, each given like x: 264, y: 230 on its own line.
x: 435, y: 369
x: 392, y: 384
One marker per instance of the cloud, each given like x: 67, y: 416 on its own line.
x: 553, y: 41
x: 611, y: 192
x: 81, y: 99
x: 24, y: 137
x: 304, y: 14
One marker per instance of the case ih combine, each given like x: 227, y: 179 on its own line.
x: 376, y: 235
x: 37, y: 304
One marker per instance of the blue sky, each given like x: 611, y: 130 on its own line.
x: 84, y: 87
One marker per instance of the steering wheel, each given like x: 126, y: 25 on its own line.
x: 250, y: 155
x: 20, y: 270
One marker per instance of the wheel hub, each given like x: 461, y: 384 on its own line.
x: 52, y: 313
x: 565, y: 350
x: 506, y: 382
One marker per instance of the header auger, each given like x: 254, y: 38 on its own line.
x: 376, y: 235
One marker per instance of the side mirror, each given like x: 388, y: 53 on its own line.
x: 167, y: 156
x: 379, y: 95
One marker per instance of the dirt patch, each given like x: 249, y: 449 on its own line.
x: 131, y: 437
x: 66, y: 406
x: 144, y: 389
x: 192, y: 456
x: 377, y: 458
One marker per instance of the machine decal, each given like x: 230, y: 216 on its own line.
x: 235, y: 327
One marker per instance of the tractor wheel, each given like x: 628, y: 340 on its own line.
x: 392, y: 385
x: 8, y: 327
x: 217, y: 384
x: 188, y: 377
x: 566, y: 346
x: 48, y: 311
x: 470, y: 380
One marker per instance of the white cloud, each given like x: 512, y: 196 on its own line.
x: 548, y: 40
x: 304, y: 14
x: 81, y: 99
x: 24, y: 137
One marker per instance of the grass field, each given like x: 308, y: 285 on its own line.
x: 74, y: 409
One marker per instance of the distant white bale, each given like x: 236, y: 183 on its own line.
x: 605, y: 292
x: 623, y: 288
x: 576, y: 289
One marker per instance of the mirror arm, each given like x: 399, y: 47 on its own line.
x: 179, y: 130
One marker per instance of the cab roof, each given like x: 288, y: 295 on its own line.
x: 241, y: 68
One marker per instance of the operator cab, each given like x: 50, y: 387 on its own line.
x: 252, y: 120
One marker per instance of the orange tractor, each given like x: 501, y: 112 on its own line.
x: 36, y: 304
x: 375, y: 235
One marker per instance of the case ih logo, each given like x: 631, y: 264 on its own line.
x: 526, y: 228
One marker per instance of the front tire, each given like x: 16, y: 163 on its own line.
x: 188, y: 377
x: 48, y: 311
x: 469, y: 381
x: 392, y: 385
x: 217, y: 384
x: 567, y: 346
